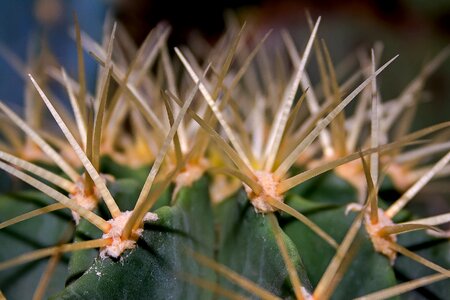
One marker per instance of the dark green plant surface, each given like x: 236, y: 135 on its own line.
x: 368, y: 271
x: 434, y: 249
x: 40, y: 232
x: 247, y: 245
x: 231, y: 233
x: 162, y: 261
x: 156, y: 267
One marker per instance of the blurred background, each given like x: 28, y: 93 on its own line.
x: 415, y: 29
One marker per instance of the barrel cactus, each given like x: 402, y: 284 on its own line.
x: 219, y: 172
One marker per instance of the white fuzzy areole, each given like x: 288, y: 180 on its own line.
x: 118, y: 246
x: 190, y: 173
x: 88, y: 202
x: 269, y: 185
x: 380, y: 242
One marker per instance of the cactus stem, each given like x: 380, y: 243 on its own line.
x: 344, y: 253
x: 302, y: 218
x: 212, y: 286
x: 234, y: 277
x: 293, y: 276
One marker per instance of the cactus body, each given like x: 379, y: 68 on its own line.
x: 256, y: 212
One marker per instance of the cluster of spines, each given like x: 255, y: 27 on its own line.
x: 182, y: 143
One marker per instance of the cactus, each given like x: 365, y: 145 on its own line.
x: 228, y: 177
